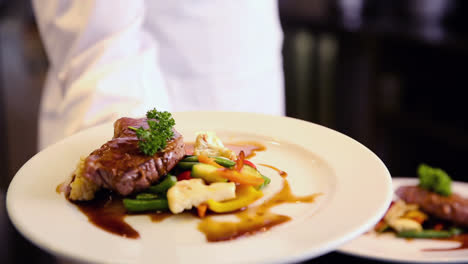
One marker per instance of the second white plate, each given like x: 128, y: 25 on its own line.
x: 390, y: 248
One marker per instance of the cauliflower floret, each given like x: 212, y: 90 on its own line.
x: 397, y: 210
x: 405, y: 224
x: 81, y: 188
x: 207, y: 143
x: 395, y: 217
x: 188, y: 193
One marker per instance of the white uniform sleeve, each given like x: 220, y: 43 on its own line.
x: 103, y: 65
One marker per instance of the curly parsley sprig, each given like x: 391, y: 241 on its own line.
x: 155, y: 138
x: 435, y: 180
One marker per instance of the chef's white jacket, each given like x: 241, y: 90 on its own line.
x: 113, y: 58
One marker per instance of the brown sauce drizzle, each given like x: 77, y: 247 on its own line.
x: 250, y: 148
x: 160, y: 216
x: 107, y: 211
x: 463, y: 239
x: 252, y: 220
x: 280, y: 172
x: 59, y: 188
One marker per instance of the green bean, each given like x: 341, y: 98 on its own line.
x: 429, y: 233
x: 266, y: 181
x: 134, y: 205
x: 221, y: 161
x: 190, y: 159
x: 456, y: 231
x: 146, y: 196
x: 163, y: 186
x: 186, y: 165
x: 224, y: 162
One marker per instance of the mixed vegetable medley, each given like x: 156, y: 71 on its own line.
x: 214, y: 178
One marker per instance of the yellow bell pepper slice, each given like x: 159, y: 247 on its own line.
x: 416, y: 215
x: 244, y: 197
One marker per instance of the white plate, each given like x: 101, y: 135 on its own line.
x: 356, y: 189
x: 390, y: 248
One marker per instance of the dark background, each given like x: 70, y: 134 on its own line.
x: 391, y: 74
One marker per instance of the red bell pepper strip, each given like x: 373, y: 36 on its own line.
x: 240, y: 161
x: 186, y: 175
x: 248, y: 162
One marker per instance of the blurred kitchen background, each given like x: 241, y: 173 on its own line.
x: 390, y: 74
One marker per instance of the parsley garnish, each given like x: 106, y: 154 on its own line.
x: 155, y: 138
x: 434, y: 180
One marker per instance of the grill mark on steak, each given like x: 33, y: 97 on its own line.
x: 119, y: 165
x: 453, y: 208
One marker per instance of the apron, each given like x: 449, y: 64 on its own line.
x: 114, y: 58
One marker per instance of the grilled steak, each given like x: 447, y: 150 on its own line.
x: 453, y: 208
x: 121, y: 126
x: 120, y: 166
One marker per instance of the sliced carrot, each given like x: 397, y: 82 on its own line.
x: 207, y: 160
x: 240, y: 178
x: 201, y: 209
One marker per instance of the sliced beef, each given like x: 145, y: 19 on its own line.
x: 453, y: 208
x: 120, y: 166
